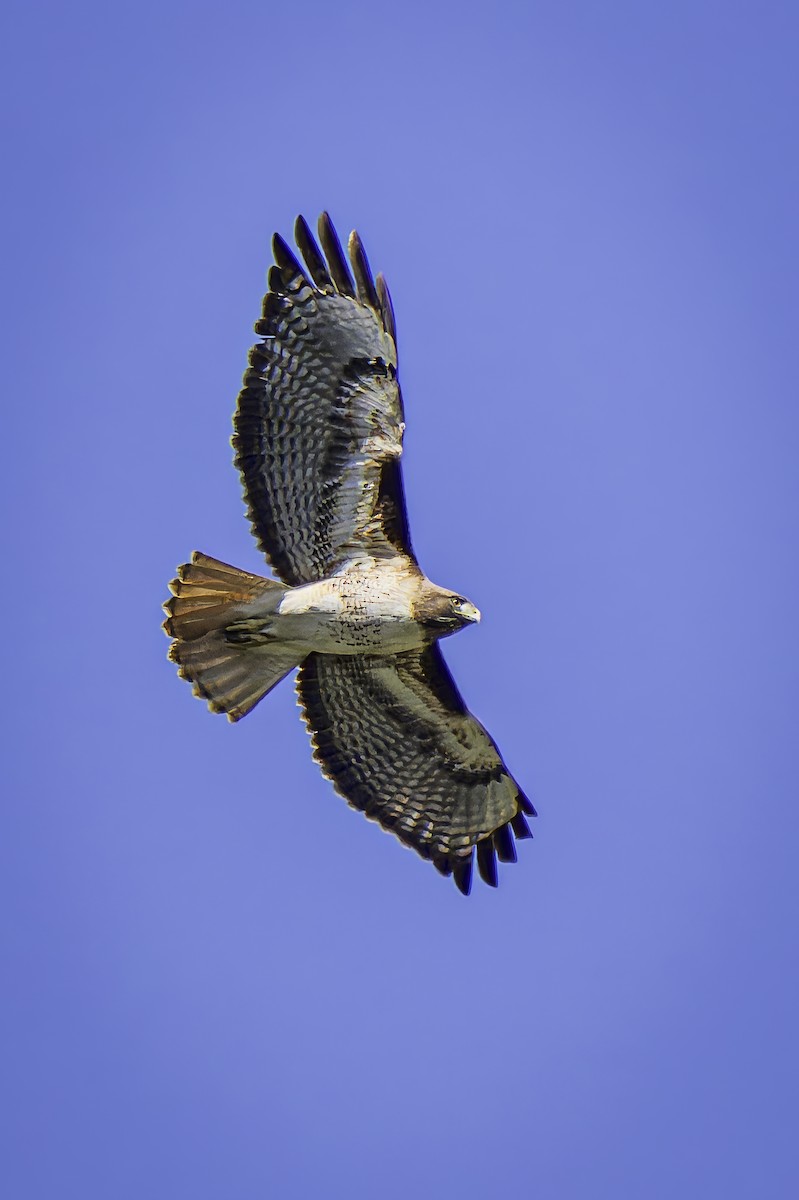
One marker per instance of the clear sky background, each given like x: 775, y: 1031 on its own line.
x: 218, y: 981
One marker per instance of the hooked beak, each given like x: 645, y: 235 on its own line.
x: 470, y: 613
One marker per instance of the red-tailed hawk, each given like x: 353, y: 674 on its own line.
x: 318, y: 440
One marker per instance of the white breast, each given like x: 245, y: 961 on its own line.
x: 355, y: 612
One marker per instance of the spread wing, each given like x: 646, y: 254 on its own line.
x: 319, y: 421
x: 395, y: 737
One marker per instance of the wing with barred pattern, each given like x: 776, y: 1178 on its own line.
x: 396, y: 739
x: 319, y: 421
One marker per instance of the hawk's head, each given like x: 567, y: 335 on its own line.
x: 443, y: 612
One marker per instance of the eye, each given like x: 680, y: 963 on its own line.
x: 458, y: 601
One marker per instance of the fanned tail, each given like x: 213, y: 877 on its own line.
x: 209, y: 594
x: 232, y: 678
x: 231, y: 673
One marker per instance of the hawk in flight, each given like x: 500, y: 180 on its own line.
x: 318, y: 441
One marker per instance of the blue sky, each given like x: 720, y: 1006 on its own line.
x: 219, y: 981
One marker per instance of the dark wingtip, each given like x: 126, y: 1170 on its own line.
x: 504, y: 844
x: 314, y: 259
x: 487, y: 862
x: 337, y: 262
x: 286, y: 260
x: 367, y: 293
x: 462, y: 874
x: 386, y: 307
x: 520, y: 826
x: 526, y: 805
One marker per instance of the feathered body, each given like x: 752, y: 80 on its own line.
x: 318, y: 438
